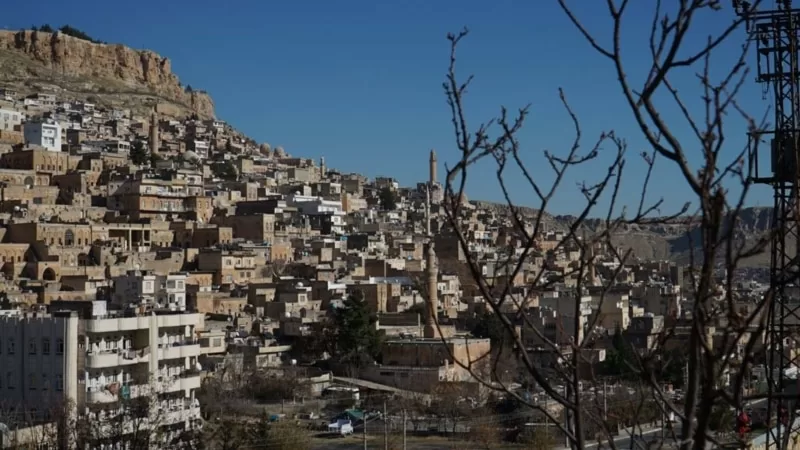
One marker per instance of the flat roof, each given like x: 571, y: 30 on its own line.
x: 430, y: 341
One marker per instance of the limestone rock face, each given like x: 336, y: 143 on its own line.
x: 67, y: 56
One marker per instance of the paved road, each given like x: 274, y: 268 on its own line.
x: 351, y: 445
x: 639, y: 441
x: 645, y: 440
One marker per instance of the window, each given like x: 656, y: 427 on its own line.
x: 45, y: 346
x: 59, y: 382
x: 11, y: 346
x: 59, y: 346
x: 32, y: 381
x: 45, y: 382
x: 32, y: 346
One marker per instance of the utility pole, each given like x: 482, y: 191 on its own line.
x: 365, y: 430
x: 605, y: 400
x: 404, y: 429
x: 663, y: 408
x: 385, y: 428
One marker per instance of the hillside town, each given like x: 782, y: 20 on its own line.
x: 179, y: 262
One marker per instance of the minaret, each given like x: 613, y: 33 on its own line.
x: 427, y: 213
x: 432, y: 167
x: 431, y: 329
x: 322, y: 167
x: 590, y: 261
x: 154, y: 144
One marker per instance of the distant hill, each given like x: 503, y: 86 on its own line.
x: 665, y: 241
x: 112, y: 75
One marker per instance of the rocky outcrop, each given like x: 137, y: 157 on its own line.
x: 60, y: 55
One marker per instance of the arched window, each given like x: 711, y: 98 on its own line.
x: 69, y: 238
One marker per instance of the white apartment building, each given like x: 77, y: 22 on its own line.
x: 10, y: 119
x: 44, y: 133
x: 167, y: 292
x: 100, y: 360
x: 200, y: 148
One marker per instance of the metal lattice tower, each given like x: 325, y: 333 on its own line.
x: 775, y: 33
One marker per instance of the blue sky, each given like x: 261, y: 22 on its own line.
x: 360, y: 81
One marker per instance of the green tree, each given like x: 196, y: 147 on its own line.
x: 46, y: 28
x: 723, y: 418
x: 139, y: 155
x: 489, y: 326
x: 76, y: 33
x: 388, y: 199
x: 356, y: 338
x: 673, y: 365
x: 620, y: 358
x: 225, y: 170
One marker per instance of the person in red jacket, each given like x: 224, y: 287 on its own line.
x: 743, y: 424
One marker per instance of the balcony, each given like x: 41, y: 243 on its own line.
x: 187, y: 381
x: 170, y: 417
x: 114, y: 358
x: 179, y: 320
x: 118, y: 324
x: 114, y: 392
x: 174, y: 288
x: 177, y: 350
x: 166, y: 193
x: 166, y: 208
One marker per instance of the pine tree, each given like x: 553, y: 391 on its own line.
x: 388, y: 199
x: 139, y: 155
x: 357, y: 338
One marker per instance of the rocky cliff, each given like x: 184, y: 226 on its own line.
x: 676, y: 241
x: 114, y: 72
